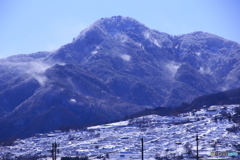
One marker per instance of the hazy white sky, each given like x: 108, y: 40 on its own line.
x: 28, y: 26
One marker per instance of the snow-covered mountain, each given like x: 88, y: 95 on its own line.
x: 113, y: 68
x: 163, y: 136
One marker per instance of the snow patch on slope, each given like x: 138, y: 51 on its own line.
x: 205, y: 70
x: 198, y: 53
x: 156, y: 43
x: 94, y: 52
x: 148, y: 36
x: 125, y: 57
x: 73, y: 100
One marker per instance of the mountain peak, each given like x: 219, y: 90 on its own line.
x: 113, y: 25
x: 117, y: 21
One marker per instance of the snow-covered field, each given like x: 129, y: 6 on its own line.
x: 162, y: 136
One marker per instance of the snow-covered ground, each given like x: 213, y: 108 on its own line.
x: 162, y: 135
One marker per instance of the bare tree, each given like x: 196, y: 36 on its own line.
x: 188, y: 149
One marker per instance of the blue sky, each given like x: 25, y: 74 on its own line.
x: 28, y: 26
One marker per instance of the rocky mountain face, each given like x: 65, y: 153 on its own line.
x: 113, y: 68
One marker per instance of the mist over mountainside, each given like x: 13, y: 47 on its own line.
x: 113, y: 68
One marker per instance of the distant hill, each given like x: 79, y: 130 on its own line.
x: 112, y: 69
x: 221, y: 98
